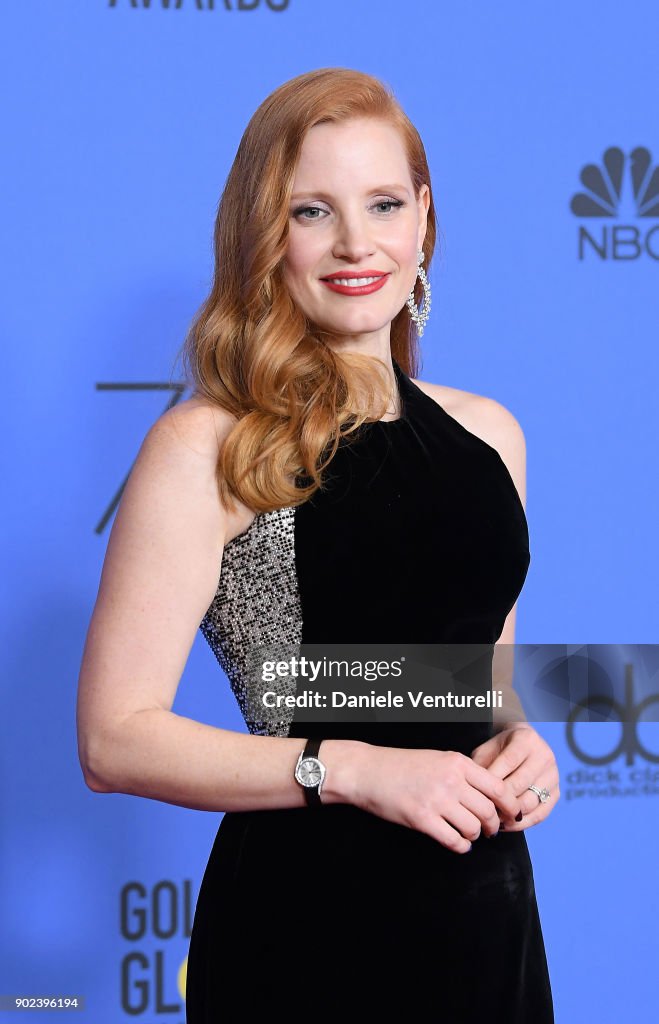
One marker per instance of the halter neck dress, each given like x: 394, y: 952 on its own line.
x: 417, y: 536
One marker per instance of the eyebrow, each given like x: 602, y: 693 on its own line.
x: 326, y: 195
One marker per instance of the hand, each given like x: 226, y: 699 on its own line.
x: 443, y: 793
x: 519, y: 755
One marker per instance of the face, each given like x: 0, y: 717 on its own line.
x: 353, y: 213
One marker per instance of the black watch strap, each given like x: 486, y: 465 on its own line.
x: 312, y: 747
x: 311, y: 794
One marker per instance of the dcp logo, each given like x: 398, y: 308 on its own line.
x: 627, y: 714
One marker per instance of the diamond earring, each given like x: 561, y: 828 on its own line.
x: 420, y: 316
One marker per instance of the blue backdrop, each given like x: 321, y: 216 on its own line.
x: 120, y: 122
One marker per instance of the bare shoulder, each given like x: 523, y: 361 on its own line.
x: 196, y: 424
x: 489, y: 420
x: 188, y: 438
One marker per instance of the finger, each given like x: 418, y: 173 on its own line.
x: 438, y: 828
x: 534, y: 768
x: 509, y: 758
x: 499, y: 791
x: 464, y: 821
x: 527, y: 774
x: 520, y: 745
x: 542, y: 779
x: 485, y: 753
x: 483, y: 809
x: 537, y: 810
x: 533, y: 817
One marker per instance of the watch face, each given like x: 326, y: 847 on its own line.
x: 309, y: 772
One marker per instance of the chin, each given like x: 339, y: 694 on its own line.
x: 352, y: 330
x: 357, y: 324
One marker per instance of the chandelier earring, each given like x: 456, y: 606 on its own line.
x: 420, y: 315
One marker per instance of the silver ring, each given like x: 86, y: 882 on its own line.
x: 542, y: 794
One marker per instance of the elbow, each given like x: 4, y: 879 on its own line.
x: 92, y: 765
x: 95, y: 782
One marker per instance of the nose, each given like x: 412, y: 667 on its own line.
x: 352, y: 240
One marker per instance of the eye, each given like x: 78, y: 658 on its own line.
x: 313, y: 212
x: 308, y: 209
x: 389, y: 202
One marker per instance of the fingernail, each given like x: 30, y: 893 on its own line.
x: 494, y: 834
x: 518, y: 817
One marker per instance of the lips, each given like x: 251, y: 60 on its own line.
x: 332, y: 282
x: 353, y: 273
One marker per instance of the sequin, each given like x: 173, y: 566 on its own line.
x: 256, y: 613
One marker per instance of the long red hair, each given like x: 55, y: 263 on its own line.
x: 250, y: 350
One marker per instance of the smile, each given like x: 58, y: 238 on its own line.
x: 356, y: 285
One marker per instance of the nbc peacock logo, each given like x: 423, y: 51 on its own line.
x: 624, y: 187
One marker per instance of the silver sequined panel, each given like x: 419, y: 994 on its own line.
x: 257, y: 606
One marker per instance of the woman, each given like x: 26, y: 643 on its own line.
x: 311, y: 491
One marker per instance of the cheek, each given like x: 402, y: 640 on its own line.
x: 403, y: 246
x: 294, y: 279
x: 301, y: 254
x: 409, y: 249
x: 407, y: 260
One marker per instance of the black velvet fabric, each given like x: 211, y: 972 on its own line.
x: 420, y: 533
x: 418, y: 537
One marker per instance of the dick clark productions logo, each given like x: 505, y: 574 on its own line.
x: 628, y: 713
x: 622, y: 187
x: 596, y: 777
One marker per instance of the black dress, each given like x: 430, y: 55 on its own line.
x: 337, y: 914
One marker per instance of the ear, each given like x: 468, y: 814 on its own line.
x: 423, y: 202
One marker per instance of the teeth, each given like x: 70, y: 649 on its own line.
x: 354, y: 282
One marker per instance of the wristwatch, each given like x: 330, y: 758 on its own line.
x: 310, y: 772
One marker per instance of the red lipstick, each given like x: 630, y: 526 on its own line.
x: 348, y: 275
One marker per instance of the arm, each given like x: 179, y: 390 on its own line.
x: 499, y: 428
x: 512, y: 712
x: 516, y: 752
x: 159, y: 577
x: 510, y: 442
